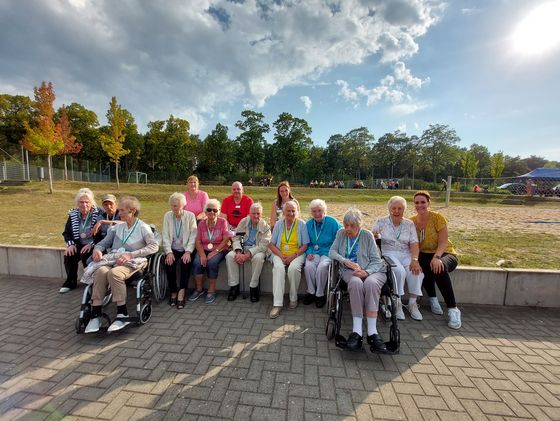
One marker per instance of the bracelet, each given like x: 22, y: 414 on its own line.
x: 415, y: 259
x: 437, y: 256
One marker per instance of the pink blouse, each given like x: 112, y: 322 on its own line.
x: 218, y: 233
x: 196, y: 206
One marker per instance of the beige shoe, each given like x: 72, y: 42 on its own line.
x: 275, y: 312
x: 293, y: 304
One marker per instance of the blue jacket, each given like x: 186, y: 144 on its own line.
x: 326, y: 236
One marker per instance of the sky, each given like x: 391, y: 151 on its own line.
x: 488, y: 69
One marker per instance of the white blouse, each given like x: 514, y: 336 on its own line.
x: 396, y: 238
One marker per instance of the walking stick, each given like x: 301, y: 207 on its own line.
x: 242, y: 267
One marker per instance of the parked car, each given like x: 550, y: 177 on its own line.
x: 515, y: 188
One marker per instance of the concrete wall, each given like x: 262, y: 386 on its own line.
x: 473, y: 285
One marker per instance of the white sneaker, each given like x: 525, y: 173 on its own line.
x: 454, y: 318
x: 414, y: 311
x: 399, y: 313
x: 93, y: 325
x: 434, y: 305
x: 118, y: 324
x: 63, y: 290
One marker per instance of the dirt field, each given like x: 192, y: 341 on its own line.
x: 505, y: 219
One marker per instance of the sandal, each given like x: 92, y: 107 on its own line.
x: 180, y: 304
x: 172, y: 301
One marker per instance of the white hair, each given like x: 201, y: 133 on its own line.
x: 396, y: 199
x: 178, y: 197
x: 318, y: 203
x: 291, y: 203
x: 213, y: 202
x: 87, y: 193
x: 255, y: 206
x: 353, y: 216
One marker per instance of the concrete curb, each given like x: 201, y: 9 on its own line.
x: 473, y: 285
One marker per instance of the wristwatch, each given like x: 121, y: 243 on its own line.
x: 415, y: 259
x: 437, y: 256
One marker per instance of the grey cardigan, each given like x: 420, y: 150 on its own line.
x: 262, y: 240
x: 368, y: 254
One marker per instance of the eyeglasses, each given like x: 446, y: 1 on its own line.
x: 211, y: 210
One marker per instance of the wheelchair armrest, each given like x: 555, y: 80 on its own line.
x: 389, y: 261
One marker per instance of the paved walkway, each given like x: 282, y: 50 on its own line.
x: 228, y: 360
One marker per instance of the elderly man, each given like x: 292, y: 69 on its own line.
x: 255, y: 232
x: 236, y: 207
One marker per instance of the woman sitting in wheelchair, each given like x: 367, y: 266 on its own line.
x: 128, y: 241
x: 364, y: 272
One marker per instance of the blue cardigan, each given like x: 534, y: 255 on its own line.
x: 326, y: 238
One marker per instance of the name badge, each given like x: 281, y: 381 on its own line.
x: 237, y: 206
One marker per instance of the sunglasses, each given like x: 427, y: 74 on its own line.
x: 211, y: 210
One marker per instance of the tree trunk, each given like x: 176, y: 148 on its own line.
x: 65, y: 169
x: 117, y: 174
x: 49, y: 169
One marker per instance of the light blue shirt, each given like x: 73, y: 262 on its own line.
x: 326, y: 231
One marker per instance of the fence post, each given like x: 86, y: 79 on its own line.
x: 4, y: 172
x: 448, y: 192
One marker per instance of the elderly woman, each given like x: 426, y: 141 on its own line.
x: 322, y: 231
x: 400, y: 242
x: 179, y: 236
x: 437, y: 257
x: 287, y: 245
x: 212, y: 239
x: 255, y: 232
x: 363, y: 271
x: 283, y: 195
x: 196, y: 199
x: 78, y: 235
x: 131, y: 241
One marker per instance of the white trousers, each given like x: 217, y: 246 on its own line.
x: 279, y: 276
x: 317, y: 273
x: 402, y: 272
x: 254, y: 266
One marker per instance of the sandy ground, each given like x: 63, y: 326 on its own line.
x: 514, y: 219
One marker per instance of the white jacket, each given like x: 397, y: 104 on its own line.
x: 189, y: 231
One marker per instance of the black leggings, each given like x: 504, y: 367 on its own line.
x: 171, y: 272
x: 443, y: 280
x: 71, y: 265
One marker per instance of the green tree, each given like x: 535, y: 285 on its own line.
x: 388, y: 152
x: 356, y: 149
x: 251, y: 141
x: 482, y: 155
x: 16, y: 112
x: 217, y: 157
x: 437, y: 146
x: 112, y: 142
x: 133, y: 141
x: 497, y: 164
x: 291, y: 146
x: 85, y: 128
x: 43, y: 138
x: 514, y: 166
x: 169, y: 150
x: 469, y: 164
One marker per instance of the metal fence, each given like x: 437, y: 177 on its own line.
x: 16, y: 171
x: 521, y: 186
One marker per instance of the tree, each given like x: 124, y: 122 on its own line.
x: 217, y: 158
x: 437, y: 146
x: 497, y: 164
x: 356, y: 149
x: 43, y: 138
x: 534, y: 162
x: 133, y: 141
x: 112, y: 142
x: 251, y: 141
x: 388, y: 152
x: 169, y: 150
x: 64, y: 129
x: 85, y: 128
x: 292, y: 144
x: 482, y: 155
x: 15, y: 112
x: 469, y: 164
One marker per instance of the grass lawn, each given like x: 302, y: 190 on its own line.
x: 31, y: 216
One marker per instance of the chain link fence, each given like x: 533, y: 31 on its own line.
x: 519, y: 186
x: 15, y: 171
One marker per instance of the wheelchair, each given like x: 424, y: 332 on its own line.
x: 338, y: 295
x: 144, y: 281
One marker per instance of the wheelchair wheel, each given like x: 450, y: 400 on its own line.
x: 331, y: 329
x: 145, y: 313
x: 80, y: 325
x: 159, y: 278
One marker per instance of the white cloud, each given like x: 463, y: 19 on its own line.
x: 393, y: 89
x: 307, y: 103
x: 168, y: 57
x: 402, y: 128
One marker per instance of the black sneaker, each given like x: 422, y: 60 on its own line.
x: 320, y: 301
x: 376, y: 343
x: 354, y: 342
x: 254, y: 294
x: 308, y: 299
